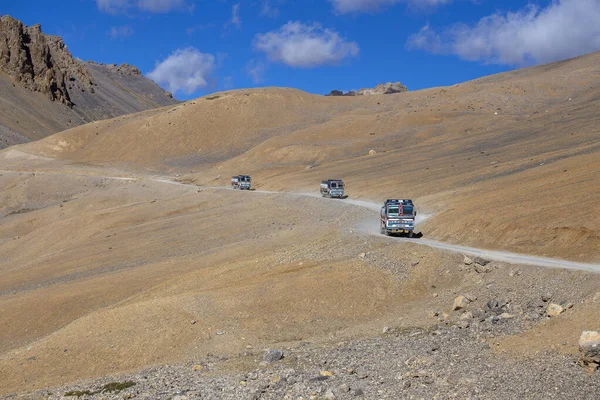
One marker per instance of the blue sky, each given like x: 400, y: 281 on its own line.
x: 193, y: 47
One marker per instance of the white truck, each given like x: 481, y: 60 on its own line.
x: 398, y: 216
x: 242, y: 182
x: 332, y: 188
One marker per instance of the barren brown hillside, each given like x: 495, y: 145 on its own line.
x: 109, y: 266
x: 518, y: 143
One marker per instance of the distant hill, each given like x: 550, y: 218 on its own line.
x: 509, y: 136
x: 382, y: 88
x: 44, y: 90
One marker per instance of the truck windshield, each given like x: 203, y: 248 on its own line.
x: 407, y: 210
x: 393, y: 210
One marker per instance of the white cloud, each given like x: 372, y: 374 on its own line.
x: 563, y: 29
x: 370, y: 6
x: 299, y: 45
x: 153, y: 6
x: 186, y: 70
x: 267, y: 9
x: 228, y: 82
x: 256, y: 70
x: 235, y: 15
x: 117, y: 32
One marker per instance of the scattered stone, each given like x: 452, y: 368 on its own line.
x: 496, y: 305
x: 482, y: 269
x: 463, y: 324
x: 273, y: 355
x: 568, y: 305
x: 326, y: 373
x: 220, y: 333
x: 467, y: 261
x: 506, y: 316
x: 415, y: 263
x: 481, y: 261
x: 358, y: 392
x: 372, y: 152
x: 589, y: 348
x: 546, y: 297
x: 459, y: 303
x: 193, y: 322
x: 386, y: 329
x: 329, y: 395
x: 362, y: 255
x: 554, y: 310
x: 343, y: 388
x: 466, y: 316
x: 470, y: 297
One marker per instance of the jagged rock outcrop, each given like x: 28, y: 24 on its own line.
x: 40, y: 62
x: 383, y: 88
x: 54, y: 91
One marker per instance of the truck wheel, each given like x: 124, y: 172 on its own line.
x: 411, y: 234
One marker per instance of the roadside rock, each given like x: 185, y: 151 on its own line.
x: 554, y: 310
x: 273, y: 355
x: 467, y: 261
x: 589, y: 348
x: 481, y: 261
x: 460, y: 302
x: 482, y: 269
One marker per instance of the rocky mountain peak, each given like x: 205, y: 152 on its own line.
x: 383, y: 88
x: 40, y: 62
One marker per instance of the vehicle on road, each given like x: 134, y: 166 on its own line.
x: 398, y: 216
x: 242, y: 182
x: 332, y: 188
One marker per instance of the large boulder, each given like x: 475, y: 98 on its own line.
x: 460, y: 302
x: 589, y: 348
x: 554, y: 310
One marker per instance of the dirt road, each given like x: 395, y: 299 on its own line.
x: 371, y: 227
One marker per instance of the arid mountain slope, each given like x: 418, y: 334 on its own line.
x: 491, y: 158
x: 43, y: 89
x: 106, y: 266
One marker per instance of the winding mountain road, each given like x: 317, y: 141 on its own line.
x: 371, y: 227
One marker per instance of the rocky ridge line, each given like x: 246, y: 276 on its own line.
x: 40, y: 62
x: 383, y: 88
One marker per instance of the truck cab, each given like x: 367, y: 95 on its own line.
x: 398, y: 216
x: 332, y: 188
x: 242, y: 182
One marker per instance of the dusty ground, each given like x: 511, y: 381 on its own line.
x: 102, y: 276
x: 521, y: 144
